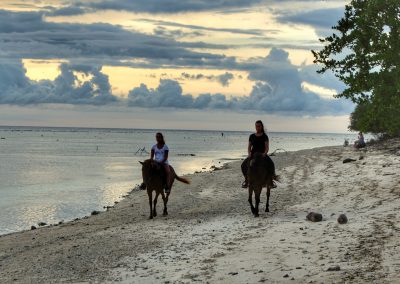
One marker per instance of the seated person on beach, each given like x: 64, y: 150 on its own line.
x: 360, y: 143
x: 258, y: 143
x: 159, y: 153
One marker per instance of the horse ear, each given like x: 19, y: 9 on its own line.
x: 141, y: 162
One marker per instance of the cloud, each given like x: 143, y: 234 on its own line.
x: 177, y: 33
x: 255, y: 32
x: 167, y: 6
x: 67, y: 88
x: 278, y: 89
x: 223, y: 79
x: 27, y: 35
x: 321, y: 19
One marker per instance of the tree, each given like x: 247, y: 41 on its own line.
x: 364, y: 53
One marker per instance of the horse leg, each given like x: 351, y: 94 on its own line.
x: 165, y: 213
x: 251, y: 200
x: 257, y: 196
x: 155, y: 204
x: 150, y: 193
x: 168, y: 193
x: 268, y: 194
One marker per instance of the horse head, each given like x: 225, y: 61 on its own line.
x: 150, y: 169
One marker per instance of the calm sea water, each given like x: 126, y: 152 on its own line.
x: 53, y: 174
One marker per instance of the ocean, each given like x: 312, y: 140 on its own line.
x: 59, y: 174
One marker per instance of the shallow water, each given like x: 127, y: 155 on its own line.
x: 53, y: 174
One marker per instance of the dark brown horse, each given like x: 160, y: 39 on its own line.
x: 259, y: 175
x: 155, y: 180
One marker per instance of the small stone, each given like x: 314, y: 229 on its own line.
x: 348, y: 160
x: 286, y: 276
x: 233, y: 273
x: 95, y: 212
x: 314, y: 217
x: 334, y: 268
x: 33, y: 228
x: 41, y: 224
x: 342, y: 219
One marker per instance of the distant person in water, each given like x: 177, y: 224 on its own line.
x: 258, y: 143
x: 360, y: 142
x: 159, y: 153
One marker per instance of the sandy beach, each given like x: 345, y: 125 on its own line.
x: 210, y: 235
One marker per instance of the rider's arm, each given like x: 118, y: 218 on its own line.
x: 266, y: 147
x: 152, y: 154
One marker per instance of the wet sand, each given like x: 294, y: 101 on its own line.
x: 210, y: 235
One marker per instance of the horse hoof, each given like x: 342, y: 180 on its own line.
x: 165, y: 213
x: 266, y: 210
x: 151, y: 217
x: 256, y: 215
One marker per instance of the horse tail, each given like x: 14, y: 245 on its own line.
x: 181, y: 179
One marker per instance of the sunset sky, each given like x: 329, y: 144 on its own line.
x: 195, y: 64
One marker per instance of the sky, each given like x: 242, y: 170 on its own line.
x: 169, y: 64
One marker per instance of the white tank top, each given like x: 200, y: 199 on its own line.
x: 159, y: 153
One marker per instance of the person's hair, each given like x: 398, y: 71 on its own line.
x: 162, y: 137
x: 262, y: 125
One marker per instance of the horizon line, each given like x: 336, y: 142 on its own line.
x: 164, y: 129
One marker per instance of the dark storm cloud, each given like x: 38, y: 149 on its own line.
x: 27, y: 35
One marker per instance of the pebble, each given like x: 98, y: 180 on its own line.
x: 334, y: 268
x: 233, y: 273
x: 348, y: 160
x: 342, y: 219
x: 314, y: 217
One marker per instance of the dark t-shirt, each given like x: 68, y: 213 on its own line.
x: 258, y: 143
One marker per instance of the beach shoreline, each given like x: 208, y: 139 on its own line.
x: 211, y: 236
